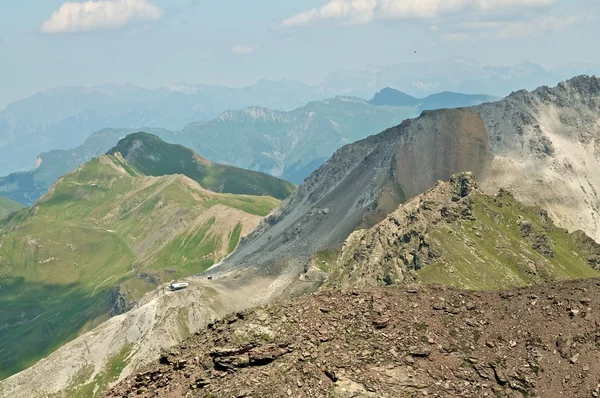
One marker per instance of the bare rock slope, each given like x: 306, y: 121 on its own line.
x: 544, y: 146
x: 392, y: 342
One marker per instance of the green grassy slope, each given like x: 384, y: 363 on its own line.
x: 8, y: 206
x: 152, y: 156
x: 104, y: 235
x: 28, y: 186
x: 492, y: 251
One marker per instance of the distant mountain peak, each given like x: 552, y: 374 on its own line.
x: 584, y: 85
x: 392, y: 97
x: 151, y: 156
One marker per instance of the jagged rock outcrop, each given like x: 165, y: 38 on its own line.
x: 546, y: 148
x: 454, y: 234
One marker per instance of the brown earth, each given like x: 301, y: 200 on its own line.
x: 406, y: 341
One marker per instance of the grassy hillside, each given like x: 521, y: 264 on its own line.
x: 507, y: 245
x: 152, y: 156
x: 455, y: 235
x: 8, y: 206
x: 104, y: 235
x: 28, y: 186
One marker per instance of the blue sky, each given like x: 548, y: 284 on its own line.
x: 151, y: 43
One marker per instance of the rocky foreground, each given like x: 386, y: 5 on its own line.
x: 408, y: 341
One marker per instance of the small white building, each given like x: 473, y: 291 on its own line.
x: 179, y: 285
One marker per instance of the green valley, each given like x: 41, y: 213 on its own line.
x: 102, y: 236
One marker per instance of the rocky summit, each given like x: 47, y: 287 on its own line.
x: 411, y: 341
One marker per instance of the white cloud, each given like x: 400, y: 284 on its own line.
x: 95, y: 15
x: 365, y: 11
x: 242, y: 50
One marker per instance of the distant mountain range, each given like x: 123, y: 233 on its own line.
x: 63, y: 118
x: 391, y: 97
x: 455, y: 74
x: 288, y: 145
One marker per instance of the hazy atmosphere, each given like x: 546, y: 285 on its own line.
x: 304, y: 199
x: 151, y: 43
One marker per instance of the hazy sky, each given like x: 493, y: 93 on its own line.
x: 49, y: 43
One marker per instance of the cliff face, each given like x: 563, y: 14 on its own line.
x: 543, y: 146
x: 546, y: 150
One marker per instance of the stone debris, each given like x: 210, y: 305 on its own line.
x: 375, y: 343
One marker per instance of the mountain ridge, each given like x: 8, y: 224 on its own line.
x: 540, y: 146
x: 154, y: 157
x: 442, y: 100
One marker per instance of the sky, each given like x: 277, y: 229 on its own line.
x: 153, y: 43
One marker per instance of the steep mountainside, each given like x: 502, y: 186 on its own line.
x: 103, y: 236
x: 391, y: 97
x: 543, y: 146
x: 392, y: 342
x: 62, y: 118
x: 365, y: 181
x: 154, y: 157
x: 455, y: 235
x: 7, y: 206
x: 546, y: 150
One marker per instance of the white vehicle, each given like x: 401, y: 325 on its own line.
x: 179, y: 285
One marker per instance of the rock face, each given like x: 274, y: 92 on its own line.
x: 392, y: 342
x: 546, y: 148
x: 454, y: 234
